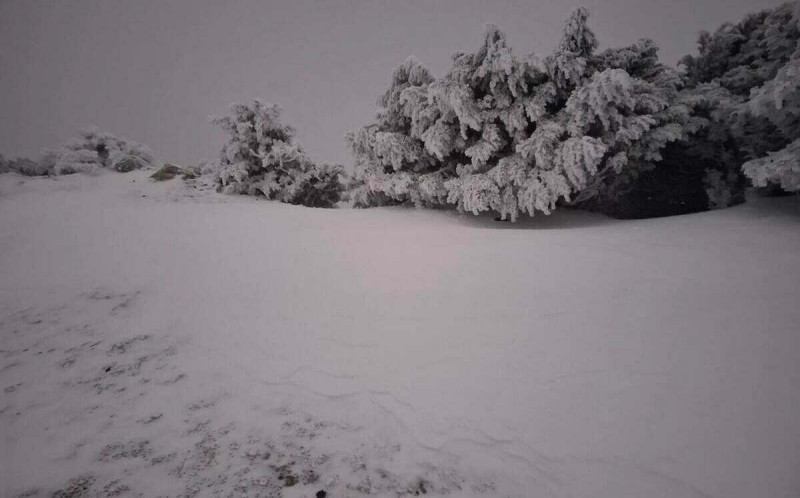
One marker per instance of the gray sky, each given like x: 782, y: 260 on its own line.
x: 154, y: 70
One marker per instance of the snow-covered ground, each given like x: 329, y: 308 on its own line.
x: 161, y: 340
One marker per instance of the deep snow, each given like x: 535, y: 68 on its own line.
x: 158, y: 339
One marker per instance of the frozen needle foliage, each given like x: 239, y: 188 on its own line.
x: 261, y: 157
x: 519, y: 135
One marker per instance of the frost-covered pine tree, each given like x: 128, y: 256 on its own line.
x: 745, y: 55
x: 498, y: 102
x: 509, y: 135
x: 261, y: 157
x: 630, y: 103
x: 391, y: 158
x: 778, y: 100
x: 745, y: 77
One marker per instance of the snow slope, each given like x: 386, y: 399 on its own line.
x: 160, y: 340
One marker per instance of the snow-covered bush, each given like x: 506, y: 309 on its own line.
x: 261, y: 157
x: 745, y: 55
x: 91, y: 151
x: 95, y: 149
x: 780, y: 168
x: 752, y: 68
x: 25, y: 166
x: 778, y: 101
x: 509, y: 135
x: 698, y: 172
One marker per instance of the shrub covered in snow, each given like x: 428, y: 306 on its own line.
x: 94, y: 149
x: 91, y: 151
x: 24, y: 166
x: 698, y: 172
x: 778, y: 101
x: 747, y: 54
x: 261, y: 157
x: 780, y: 168
x: 520, y: 135
x: 21, y: 165
x: 747, y: 75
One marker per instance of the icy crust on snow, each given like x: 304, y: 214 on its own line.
x: 165, y: 340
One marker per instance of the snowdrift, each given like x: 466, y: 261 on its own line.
x: 159, y: 339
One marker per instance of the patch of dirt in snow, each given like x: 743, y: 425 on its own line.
x: 200, y: 189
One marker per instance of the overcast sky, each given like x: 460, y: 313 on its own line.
x: 155, y: 70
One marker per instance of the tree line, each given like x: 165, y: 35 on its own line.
x: 614, y: 131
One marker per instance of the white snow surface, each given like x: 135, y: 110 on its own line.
x: 164, y: 340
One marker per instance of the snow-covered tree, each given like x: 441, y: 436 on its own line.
x: 631, y: 103
x: 390, y: 154
x: 725, y: 126
x: 751, y: 69
x: 778, y: 101
x: 697, y: 172
x: 261, y: 157
x: 780, y: 168
x: 509, y: 135
x: 745, y: 55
